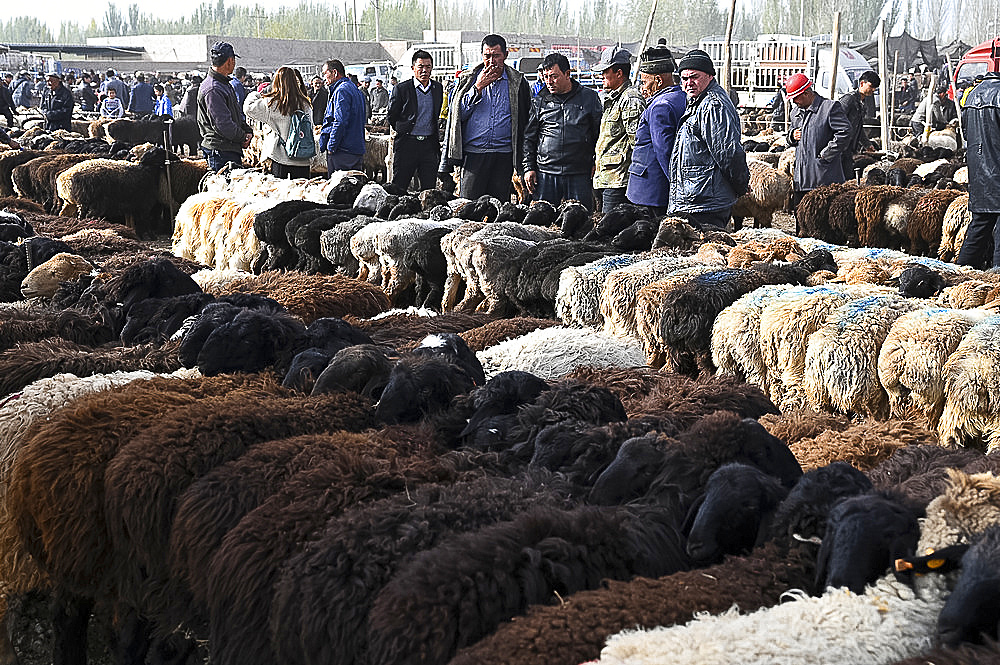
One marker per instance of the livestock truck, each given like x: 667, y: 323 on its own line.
x: 760, y: 66
x: 976, y: 62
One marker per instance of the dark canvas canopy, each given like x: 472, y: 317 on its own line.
x: 912, y: 51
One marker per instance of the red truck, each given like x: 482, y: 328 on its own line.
x: 975, y: 63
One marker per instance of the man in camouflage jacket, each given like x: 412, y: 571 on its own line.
x: 623, y: 106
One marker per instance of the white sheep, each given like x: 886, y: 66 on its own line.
x: 841, y: 370
x: 972, y: 388
x: 736, y: 342
x: 786, y: 322
x: 913, y: 356
x: 579, y: 297
x: 622, y: 287
x: 551, y: 353
x: 890, y: 621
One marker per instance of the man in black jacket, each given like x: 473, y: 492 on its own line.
x: 856, y: 106
x: 981, y: 120
x: 560, y: 137
x: 413, y: 113
x: 57, y: 103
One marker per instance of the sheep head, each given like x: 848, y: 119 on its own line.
x: 43, y: 281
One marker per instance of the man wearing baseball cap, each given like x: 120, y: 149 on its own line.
x: 224, y: 131
x: 708, y: 167
x: 820, y: 132
x: 623, y: 106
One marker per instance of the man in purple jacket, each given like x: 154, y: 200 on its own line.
x: 342, y: 137
x: 224, y: 131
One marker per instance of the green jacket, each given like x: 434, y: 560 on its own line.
x: 622, y: 109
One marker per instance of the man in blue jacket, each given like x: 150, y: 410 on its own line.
x: 142, y: 100
x: 342, y: 137
x: 648, y: 182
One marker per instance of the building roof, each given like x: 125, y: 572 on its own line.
x: 83, y: 50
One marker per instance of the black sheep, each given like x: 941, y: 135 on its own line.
x: 432, y: 198
x: 156, y: 319
x: 875, y: 176
x: 453, y: 346
x: 364, y: 369
x: 512, y: 212
x: 305, y: 367
x: 918, y: 281
x: 636, y: 238
x: 503, y: 395
x: 573, y: 220
x: 734, y: 513
x: 425, y: 258
x: 419, y: 386
x: 157, y: 278
x: 322, y: 600
x: 683, y: 466
x: 269, y: 227
x: 864, y: 535
x: 39, y: 249
x: 972, y: 611
x: 459, y: 592
x: 804, y: 511
x: 250, y: 342
x: 615, y: 221
x: 484, y: 209
x: 688, y: 311
x: 407, y: 206
x: 896, y: 177
x: 540, y: 213
x: 343, y: 194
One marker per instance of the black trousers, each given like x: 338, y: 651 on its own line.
x: 487, y: 173
x: 283, y: 171
x: 981, y: 248
x: 412, y: 155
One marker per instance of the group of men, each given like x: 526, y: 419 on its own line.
x: 662, y: 147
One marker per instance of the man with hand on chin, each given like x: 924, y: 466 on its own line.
x: 486, y: 122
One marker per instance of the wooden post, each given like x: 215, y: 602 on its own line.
x: 929, y: 114
x: 727, y: 56
x: 883, y: 66
x: 958, y: 107
x: 645, y: 40
x: 835, y: 54
x: 892, y: 85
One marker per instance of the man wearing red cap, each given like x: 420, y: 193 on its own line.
x: 820, y: 132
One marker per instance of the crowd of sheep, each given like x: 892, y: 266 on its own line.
x: 342, y: 422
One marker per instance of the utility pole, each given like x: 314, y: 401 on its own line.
x: 356, y: 20
x: 802, y: 18
x: 493, y: 17
x: 434, y: 21
x: 727, y: 72
x: 378, y: 27
x: 645, y: 38
x: 258, y: 16
x: 346, y: 36
x: 835, y: 53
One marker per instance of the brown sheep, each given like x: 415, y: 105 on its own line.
x: 882, y: 212
x: 925, y: 224
x: 402, y: 329
x: 812, y: 216
x: 863, y: 445
x: 43, y: 280
x: 953, y: 227
x: 9, y: 160
x: 768, y: 193
x: 312, y: 297
x: 31, y: 179
x: 501, y: 330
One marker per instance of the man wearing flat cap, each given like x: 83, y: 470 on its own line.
x: 623, y: 105
x: 57, y: 103
x: 649, y: 184
x: 708, y: 167
x: 224, y: 130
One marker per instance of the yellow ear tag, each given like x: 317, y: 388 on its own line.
x: 935, y: 563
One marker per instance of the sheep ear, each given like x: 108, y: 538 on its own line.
x: 692, y: 515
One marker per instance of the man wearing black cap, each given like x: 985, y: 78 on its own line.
x: 648, y: 183
x: 560, y: 137
x: 57, y: 103
x: 708, y: 167
x: 224, y: 131
x: 623, y: 105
